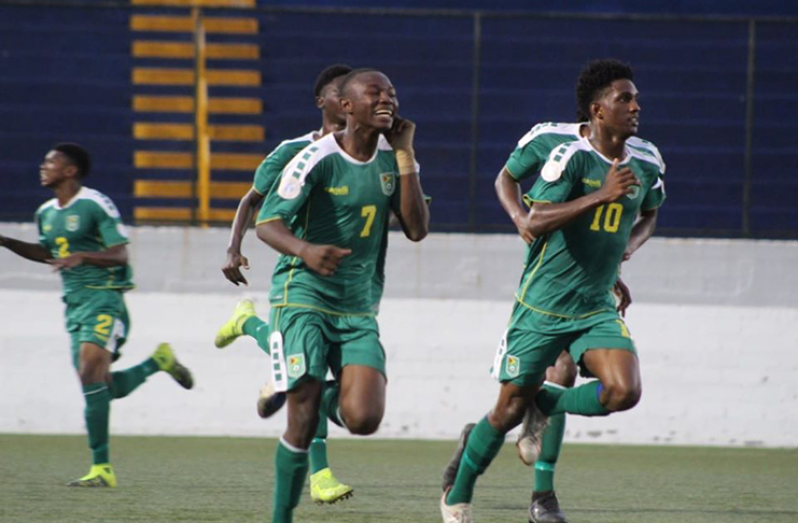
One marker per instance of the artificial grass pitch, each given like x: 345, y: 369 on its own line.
x: 166, y: 479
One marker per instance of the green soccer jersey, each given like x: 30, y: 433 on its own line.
x: 534, y: 148
x: 270, y: 168
x: 570, y: 272
x: 336, y: 200
x: 90, y: 222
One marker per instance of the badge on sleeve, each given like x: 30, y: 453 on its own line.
x: 551, y: 172
x: 290, y: 187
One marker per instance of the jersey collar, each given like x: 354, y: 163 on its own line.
x: 71, y: 201
x: 627, y: 154
x: 350, y: 159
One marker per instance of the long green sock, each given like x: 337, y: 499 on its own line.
x: 582, y: 400
x: 98, y: 405
x: 258, y: 329
x: 329, y: 403
x: 318, y: 447
x: 484, y: 443
x: 124, y: 382
x: 549, y: 452
x: 291, y: 469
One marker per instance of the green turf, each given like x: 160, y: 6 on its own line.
x: 229, y: 480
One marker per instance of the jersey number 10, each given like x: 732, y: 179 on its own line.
x: 612, y: 218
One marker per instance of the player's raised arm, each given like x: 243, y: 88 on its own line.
x: 244, y: 214
x: 413, y: 210
x: 29, y: 251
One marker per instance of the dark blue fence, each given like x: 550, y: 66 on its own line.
x: 718, y: 98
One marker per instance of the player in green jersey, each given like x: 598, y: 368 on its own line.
x: 81, y: 235
x: 526, y: 162
x: 341, y: 190
x: 584, y: 217
x: 324, y: 486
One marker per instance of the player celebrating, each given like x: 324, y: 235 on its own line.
x: 341, y: 190
x: 582, y: 221
x: 324, y: 486
x: 81, y: 235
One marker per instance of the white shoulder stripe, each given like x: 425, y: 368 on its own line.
x: 297, y: 170
x: 559, y: 157
x: 309, y: 137
x: 101, y: 200
x: 567, y: 129
x: 46, y: 205
x: 647, y: 157
x: 639, y: 143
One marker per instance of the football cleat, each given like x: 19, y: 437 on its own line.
x: 458, y: 513
x: 233, y: 328
x: 269, y: 401
x: 164, y: 356
x: 98, y: 477
x: 546, y: 509
x: 531, y: 437
x: 325, y: 488
x: 450, y: 472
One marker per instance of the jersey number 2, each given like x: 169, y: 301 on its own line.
x: 63, y: 247
x: 612, y: 218
x: 368, y: 212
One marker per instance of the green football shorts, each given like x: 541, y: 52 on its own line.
x: 304, y: 343
x: 99, y: 317
x: 533, y: 341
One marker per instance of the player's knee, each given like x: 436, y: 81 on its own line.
x: 508, y: 415
x: 363, y: 423
x: 622, y: 396
x: 563, y: 372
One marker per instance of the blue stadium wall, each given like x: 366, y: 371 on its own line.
x: 65, y: 74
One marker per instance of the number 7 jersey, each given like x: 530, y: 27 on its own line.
x: 327, y: 197
x: 570, y: 272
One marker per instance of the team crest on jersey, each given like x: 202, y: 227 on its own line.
x: 388, y: 183
x: 513, y: 366
x: 635, y: 192
x: 47, y: 227
x: 72, y: 222
x: 296, y: 365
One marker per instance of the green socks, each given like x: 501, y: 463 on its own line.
x: 329, y: 404
x: 126, y: 381
x: 318, y: 447
x: 258, y: 329
x: 582, y: 400
x: 291, y: 469
x: 98, y: 406
x: 484, y: 443
x: 549, y: 452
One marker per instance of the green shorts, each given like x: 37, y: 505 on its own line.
x: 304, y: 343
x: 99, y: 317
x: 533, y: 341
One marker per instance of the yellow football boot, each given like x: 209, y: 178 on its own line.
x: 234, y: 327
x: 325, y: 488
x: 164, y: 356
x: 99, y: 476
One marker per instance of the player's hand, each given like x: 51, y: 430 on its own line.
x: 401, y: 134
x: 231, y: 268
x: 323, y: 259
x: 618, y: 183
x: 624, y: 296
x: 522, y: 224
x: 70, y: 262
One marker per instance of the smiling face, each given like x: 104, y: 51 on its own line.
x: 56, y: 168
x: 618, y: 109
x: 370, y: 100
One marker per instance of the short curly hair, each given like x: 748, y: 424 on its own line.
x: 328, y: 75
x: 595, y: 77
x: 78, y: 156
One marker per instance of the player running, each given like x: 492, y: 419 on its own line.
x: 329, y: 217
x: 583, y: 221
x: 82, y: 236
x: 324, y: 486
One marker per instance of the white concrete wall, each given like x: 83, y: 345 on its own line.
x: 716, y: 323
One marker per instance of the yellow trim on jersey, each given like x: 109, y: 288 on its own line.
x: 267, y: 220
x: 257, y: 191
x: 110, y: 287
x: 532, y: 274
x: 563, y: 316
x: 320, y: 309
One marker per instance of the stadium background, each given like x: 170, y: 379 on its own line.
x: 715, y: 318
